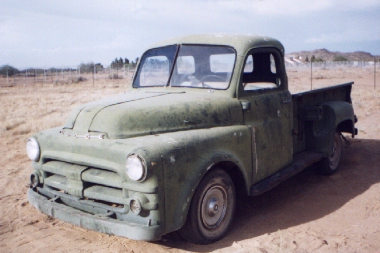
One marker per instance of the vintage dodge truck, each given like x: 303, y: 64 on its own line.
x: 207, y: 119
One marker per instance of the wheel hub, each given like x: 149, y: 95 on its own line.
x: 214, y: 207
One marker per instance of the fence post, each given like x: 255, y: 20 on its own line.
x: 26, y: 77
x: 311, y: 75
x: 374, y: 75
x: 7, y: 74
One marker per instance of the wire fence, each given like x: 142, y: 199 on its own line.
x: 67, y: 75
x: 372, y: 67
x: 95, y: 76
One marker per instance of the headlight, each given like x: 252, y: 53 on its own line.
x: 135, y: 168
x: 33, y: 149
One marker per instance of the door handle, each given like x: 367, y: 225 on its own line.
x: 286, y: 101
x: 246, y: 105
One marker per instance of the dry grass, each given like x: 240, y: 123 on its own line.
x: 29, y: 109
x: 26, y: 110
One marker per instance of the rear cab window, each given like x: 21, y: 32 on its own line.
x: 261, y: 71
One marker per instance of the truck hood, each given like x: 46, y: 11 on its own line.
x: 142, y: 113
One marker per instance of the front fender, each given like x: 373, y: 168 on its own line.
x: 187, y: 156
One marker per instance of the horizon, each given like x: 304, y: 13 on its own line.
x: 108, y: 65
x: 46, y: 34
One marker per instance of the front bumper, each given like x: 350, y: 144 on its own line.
x: 94, y: 222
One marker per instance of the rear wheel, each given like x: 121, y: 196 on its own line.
x: 329, y: 165
x: 212, y: 209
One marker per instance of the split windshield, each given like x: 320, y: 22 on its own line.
x: 195, y: 66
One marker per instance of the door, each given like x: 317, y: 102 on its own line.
x: 267, y: 111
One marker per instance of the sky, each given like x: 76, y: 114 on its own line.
x: 67, y: 33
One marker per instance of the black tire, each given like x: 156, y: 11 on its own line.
x: 212, y: 209
x: 329, y: 165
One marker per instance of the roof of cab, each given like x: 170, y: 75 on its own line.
x: 242, y: 43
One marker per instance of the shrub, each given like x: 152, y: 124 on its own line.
x: 7, y: 69
x: 115, y: 76
x: 340, y: 58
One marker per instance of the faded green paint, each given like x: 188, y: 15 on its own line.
x: 180, y: 134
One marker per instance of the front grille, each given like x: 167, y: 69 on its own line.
x: 84, y: 182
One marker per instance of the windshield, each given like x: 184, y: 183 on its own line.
x: 196, y: 66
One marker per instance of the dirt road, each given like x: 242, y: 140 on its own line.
x: 308, y: 213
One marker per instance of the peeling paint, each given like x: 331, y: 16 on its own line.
x: 172, y: 159
x: 169, y: 140
x: 255, y: 149
x: 186, y: 204
x: 211, y: 165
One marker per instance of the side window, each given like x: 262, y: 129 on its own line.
x: 248, y: 67
x: 260, y: 71
x: 272, y: 64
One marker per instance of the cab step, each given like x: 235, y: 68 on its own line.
x: 300, y: 161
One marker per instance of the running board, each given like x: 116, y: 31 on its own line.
x: 300, y: 161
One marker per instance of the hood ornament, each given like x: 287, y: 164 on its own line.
x: 86, y: 136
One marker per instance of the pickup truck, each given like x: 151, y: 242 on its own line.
x: 207, y: 119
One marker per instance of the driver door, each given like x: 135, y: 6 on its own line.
x: 267, y: 112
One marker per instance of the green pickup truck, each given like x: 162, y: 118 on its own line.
x: 207, y: 119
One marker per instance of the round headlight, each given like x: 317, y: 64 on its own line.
x: 135, y: 168
x: 33, y: 149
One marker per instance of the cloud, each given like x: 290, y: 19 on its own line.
x: 66, y: 33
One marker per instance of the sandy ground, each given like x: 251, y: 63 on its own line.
x: 308, y: 213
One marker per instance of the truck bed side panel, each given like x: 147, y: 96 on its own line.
x: 306, y: 106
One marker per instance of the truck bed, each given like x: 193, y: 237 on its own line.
x: 309, y: 101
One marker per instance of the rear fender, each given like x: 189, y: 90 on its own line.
x: 335, y: 116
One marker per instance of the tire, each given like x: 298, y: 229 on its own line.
x: 212, y: 209
x: 329, y: 165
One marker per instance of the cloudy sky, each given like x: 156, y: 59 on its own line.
x: 66, y: 33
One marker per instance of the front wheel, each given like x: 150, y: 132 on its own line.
x: 329, y: 165
x: 212, y: 209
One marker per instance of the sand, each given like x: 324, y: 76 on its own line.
x: 307, y: 213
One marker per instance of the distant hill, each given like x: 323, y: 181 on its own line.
x: 326, y: 55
